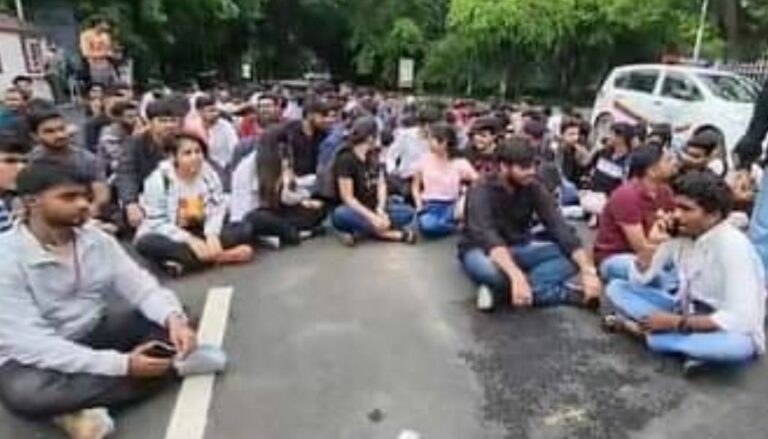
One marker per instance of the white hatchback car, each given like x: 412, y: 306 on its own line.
x: 689, y: 99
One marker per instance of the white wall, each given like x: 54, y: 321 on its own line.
x: 13, y: 64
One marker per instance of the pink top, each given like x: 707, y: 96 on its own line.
x: 442, y: 179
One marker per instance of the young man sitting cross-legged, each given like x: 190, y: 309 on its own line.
x: 63, y: 354
x: 718, y: 313
x: 498, y: 250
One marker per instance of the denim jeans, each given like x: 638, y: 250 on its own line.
x: 619, y: 266
x: 347, y: 220
x: 569, y: 194
x: 637, y: 302
x: 437, y: 219
x: 544, y: 263
x: 758, y: 228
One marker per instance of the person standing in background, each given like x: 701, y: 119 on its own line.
x: 96, y: 46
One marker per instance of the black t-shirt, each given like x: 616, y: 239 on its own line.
x: 609, y: 172
x: 303, y: 149
x: 484, y: 163
x: 569, y: 165
x: 364, y: 175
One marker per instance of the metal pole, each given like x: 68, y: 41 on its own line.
x: 700, y: 31
x: 19, y: 10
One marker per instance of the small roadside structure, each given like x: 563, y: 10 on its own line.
x: 21, y: 53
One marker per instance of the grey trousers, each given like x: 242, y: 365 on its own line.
x: 38, y: 393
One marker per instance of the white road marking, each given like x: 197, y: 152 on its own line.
x: 190, y: 415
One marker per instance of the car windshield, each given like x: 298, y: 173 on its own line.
x: 729, y: 88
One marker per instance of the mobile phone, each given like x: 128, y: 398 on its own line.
x: 161, y: 350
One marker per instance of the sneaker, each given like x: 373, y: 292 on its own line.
x: 92, y: 423
x: 692, y: 368
x: 172, y: 268
x: 236, y: 255
x: 347, y: 239
x: 484, y: 299
x: 410, y: 237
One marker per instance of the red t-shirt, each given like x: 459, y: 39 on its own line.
x: 630, y: 204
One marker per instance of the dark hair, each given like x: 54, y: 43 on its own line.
x: 428, y: 115
x: 625, y: 131
x: 662, y: 130
x: 119, y: 109
x: 517, y: 151
x: 643, y: 158
x: 12, y: 143
x: 705, y: 140
x: 175, y: 144
x: 362, y: 128
x: 569, y: 123
x: 42, y: 115
x: 535, y: 129
x: 21, y: 78
x: 707, y: 190
x: 443, y: 132
x: 204, y: 101
x: 162, y: 108
x: 46, y: 174
x: 489, y: 124
x: 269, y: 165
x: 317, y: 106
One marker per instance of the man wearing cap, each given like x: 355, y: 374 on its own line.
x: 63, y: 353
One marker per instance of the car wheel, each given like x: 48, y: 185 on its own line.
x: 602, y: 129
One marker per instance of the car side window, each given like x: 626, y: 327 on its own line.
x: 677, y: 86
x: 643, y: 81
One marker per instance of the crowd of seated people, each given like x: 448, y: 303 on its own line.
x: 195, y: 181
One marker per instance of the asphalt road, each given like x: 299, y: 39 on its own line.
x: 334, y: 343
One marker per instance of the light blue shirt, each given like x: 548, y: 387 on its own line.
x: 47, y: 302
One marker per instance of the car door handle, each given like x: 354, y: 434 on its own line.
x: 657, y: 103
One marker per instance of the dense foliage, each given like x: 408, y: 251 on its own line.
x: 474, y: 46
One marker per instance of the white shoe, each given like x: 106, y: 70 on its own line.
x: 92, y: 423
x: 484, y: 299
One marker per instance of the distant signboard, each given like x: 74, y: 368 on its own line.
x: 406, y: 73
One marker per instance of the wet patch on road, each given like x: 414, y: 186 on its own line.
x: 552, y: 374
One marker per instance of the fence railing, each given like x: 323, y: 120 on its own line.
x: 756, y: 70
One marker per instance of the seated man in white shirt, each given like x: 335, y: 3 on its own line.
x: 63, y: 354
x: 718, y: 313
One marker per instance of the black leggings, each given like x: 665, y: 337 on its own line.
x: 284, y: 223
x: 40, y: 393
x: 159, y: 249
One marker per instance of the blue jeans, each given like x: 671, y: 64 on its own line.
x: 569, y: 194
x: 638, y: 302
x: 544, y: 263
x: 437, y: 219
x: 758, y: 228
x: 619, y: 266
x: 347, y: 220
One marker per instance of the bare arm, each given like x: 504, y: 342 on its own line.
x: 416, y: 190
x: 347, y: 195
